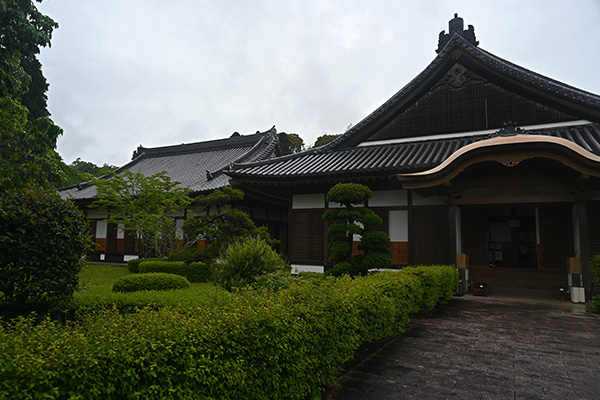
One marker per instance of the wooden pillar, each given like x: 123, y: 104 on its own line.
x: 454, y: 229
x: 583, y: 251
x: 411, y: 233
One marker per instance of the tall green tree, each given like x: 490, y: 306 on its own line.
x: 146, y: 207
x: 27, y: 134
x: 290, y: 143
x: 217, y: 221
x: 85, y: 171
x: 324, y: 139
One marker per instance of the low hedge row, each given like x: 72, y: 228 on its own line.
x: 151, y: 281
x: 134, y: 265
x: 257, y: 345
x: 194, y: 272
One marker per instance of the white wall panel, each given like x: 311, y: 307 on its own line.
x: 398, y: 225
x: 316, y: 200
x: 101, y: 227
x: 388, y: 198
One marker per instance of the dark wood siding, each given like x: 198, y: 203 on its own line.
x: 474, y: 224
x: 430, y: 235
x: 308, y: 237
x: 111, y: 237
x: 556, y: 235
x: 129, y: 243
x: 476, y: 105
x: 594, y: 227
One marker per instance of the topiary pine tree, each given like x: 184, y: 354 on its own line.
x: 351, y: 220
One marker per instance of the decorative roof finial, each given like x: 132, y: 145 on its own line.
x: 456, y: 25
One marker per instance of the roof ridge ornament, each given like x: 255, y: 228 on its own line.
x: 510, y: 128
x: 456, y: 25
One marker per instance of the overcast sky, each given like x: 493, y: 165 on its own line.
x: 162, y: 72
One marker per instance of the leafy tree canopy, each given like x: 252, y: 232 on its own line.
x: 324, y: 139
x: 290, y: 143
x: 146, y: 207
x: 27, y: 136
x: 219, y: 223
x: 85, y: 171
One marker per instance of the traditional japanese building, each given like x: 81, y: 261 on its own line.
x: 475, y: 159
x: 198, y: 167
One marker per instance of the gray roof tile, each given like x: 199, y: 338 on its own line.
x: 403, y: 157
x: 189, y: 163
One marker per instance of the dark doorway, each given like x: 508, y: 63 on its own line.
x: 512, y: 237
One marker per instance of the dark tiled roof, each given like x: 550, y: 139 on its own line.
x: 384, y: 159
x: 198, y: 166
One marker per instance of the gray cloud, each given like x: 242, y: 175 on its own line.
x: 124, y: 73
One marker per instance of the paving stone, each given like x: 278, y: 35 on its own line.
x: 485, y: 348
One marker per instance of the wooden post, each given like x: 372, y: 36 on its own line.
x: 462, y: 261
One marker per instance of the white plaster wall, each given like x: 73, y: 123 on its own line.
x: 333, y: 204
x: 316, y: 200
x: 178, y: 226
x: 297, y: 268
x: 358, y: 238
x: 388, y: 198
x: 101, y: 227
x: 398, y: 225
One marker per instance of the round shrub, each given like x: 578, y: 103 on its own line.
x: 150, y: 281
x: 194, y: 272
x: 245, y: 260
x: 42, y: 247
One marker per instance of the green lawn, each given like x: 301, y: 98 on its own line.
x: 99, y: 278
x: 95, y: 291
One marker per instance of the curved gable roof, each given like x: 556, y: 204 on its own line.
x: 571, y: 113
x: 575, y: 103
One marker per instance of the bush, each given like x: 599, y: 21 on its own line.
x: 42, y: 247
x: 595, y: 268
x: 594, y: 303
x: 339, y: 269
x: 257, y: 345
x: 244, y: 260
x: 275, y: 281
x: 150, y: 281
x: 206, y: 255
x: 134, y: 265
x: 439, y: 284
x: 194, y: 272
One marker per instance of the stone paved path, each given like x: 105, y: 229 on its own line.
x: 485, y: 348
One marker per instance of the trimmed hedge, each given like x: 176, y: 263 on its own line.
x: 258, y: 345
x: 194, y: 272
x: 134, y: 265
x: 439, y: 285
x: 150, y: 281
